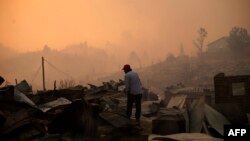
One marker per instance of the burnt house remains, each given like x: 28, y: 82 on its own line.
x: 233, y: 89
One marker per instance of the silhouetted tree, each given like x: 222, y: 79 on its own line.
x: 170, y: 58
x: 134, y: 59
x: 145, y: 58
x: 64, y: 84
x: 238, y: 38
x: 46, y: 49
x: 181, y: 51
x: 199, y: 42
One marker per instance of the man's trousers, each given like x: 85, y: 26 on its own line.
x: 130, y: 100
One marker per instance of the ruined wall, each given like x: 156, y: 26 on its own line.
x: 233, y: 89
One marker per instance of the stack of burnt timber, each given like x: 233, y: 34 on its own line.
x: 98, y: 113
x: 78, y: 113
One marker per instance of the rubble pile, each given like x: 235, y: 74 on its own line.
x: 89, y: 113
x: 98, y: 113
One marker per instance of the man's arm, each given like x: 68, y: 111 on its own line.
x: 127, y: 85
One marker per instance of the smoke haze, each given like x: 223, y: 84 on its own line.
x: 160, y: 25
x: 114, y: 32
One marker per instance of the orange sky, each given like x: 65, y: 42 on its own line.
x: 26, y: 25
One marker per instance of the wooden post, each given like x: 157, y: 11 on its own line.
x: 43, y: 74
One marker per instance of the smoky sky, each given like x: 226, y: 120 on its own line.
x: 153, y: 25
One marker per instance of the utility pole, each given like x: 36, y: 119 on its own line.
x: 43, y: 74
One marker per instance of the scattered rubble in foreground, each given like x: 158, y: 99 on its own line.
x: 97, y: 113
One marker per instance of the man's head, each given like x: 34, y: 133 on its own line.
x: 126, y: 68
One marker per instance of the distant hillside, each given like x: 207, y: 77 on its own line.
x: 188, y: 70
x: 83, y: 64
x: 6, y: 52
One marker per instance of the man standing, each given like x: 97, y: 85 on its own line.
x: 134, y: 92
